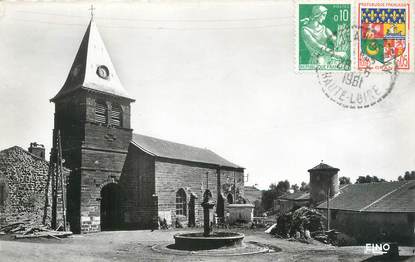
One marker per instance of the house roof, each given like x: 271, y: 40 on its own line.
x: 166, y: 149
x: 296, y: 196
x: 252, y: 193
x: 92, y: 68
x: 375, y: 197
x: 323, y: 166
x: 19, y: 152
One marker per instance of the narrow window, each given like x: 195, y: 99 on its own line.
x: 101, y: 112
x: 181, y: 202
x: 116, y: 114
x: 3, y: 192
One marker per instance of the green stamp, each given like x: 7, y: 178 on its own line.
x: 324, y: 41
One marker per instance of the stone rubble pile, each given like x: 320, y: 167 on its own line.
x: 302, y: 223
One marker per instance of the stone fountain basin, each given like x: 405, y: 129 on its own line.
x: 196, y: 241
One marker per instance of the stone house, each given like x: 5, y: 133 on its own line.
x: 123, y: 180
x: 24, y: 194
x: 289, y: 201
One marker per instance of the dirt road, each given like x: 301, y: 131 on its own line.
x: 136, y: 246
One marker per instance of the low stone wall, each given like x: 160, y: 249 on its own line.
x: 240, y: 213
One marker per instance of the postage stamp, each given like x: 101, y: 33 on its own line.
x: 384, y: 36
x: 323, y: 36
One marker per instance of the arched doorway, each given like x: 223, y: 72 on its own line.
x: 207, y: 195
x: 111, y: 212
x: 230, y: 198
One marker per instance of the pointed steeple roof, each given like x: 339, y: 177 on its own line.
x: 92, y: 68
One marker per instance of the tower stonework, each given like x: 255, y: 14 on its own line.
x: 92, y: 112
x: 323, y: 179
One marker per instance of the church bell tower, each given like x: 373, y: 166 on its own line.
x: 92, y: 113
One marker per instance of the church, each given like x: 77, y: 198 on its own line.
x: 122, y: 180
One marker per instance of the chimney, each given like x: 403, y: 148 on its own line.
x: 37, y: 150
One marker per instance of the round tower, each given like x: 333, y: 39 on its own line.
x: 323, y: 180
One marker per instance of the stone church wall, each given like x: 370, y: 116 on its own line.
x: 92, y: 183
x: 232, y: 182
x: 194, y: 178
x: 138, y: 182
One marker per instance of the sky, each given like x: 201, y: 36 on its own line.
x: 217, y: 75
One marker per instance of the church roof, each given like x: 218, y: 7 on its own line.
x: 92, y: 68
x: 296, y: 196
x: 166, y: 149
x: 375, y: 197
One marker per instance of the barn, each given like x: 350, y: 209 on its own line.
x: 370, y: 212
x: 375, y: 212
x: 123, y: 180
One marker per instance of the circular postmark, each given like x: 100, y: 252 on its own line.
x: 360, y: 89
x: 357, y: 90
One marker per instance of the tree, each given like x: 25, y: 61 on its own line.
x: 283, y: 187
x: 408, y: 176
x: 295, y: 187
x: 368, y: 179
x: 304, y: 187
x: 274, y: 191
x: 344, y: 180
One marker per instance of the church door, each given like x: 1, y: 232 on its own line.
x: 111, y: 213
x: 220, y: 208
x: 192, y: 221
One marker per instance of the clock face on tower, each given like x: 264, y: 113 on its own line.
x: 102, y: 71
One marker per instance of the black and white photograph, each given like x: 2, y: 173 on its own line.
x: 258, y: 130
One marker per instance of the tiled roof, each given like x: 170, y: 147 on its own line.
x: 172, y: 150
x: 296, y: 196
x: 323, y: 166
x: 375, y: 197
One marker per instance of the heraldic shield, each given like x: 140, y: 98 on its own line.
x: 383, y: 33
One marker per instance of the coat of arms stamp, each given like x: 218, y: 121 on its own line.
x: 384, y: 37
x: 323, y: 36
